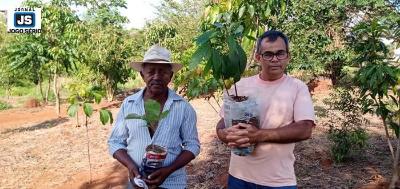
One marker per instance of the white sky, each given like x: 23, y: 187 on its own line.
x: 138, y: 11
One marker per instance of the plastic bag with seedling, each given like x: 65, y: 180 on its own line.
x: 155, y: 155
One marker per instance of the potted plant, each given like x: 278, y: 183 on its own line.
x: 155, y: 155
x: 219, y: 47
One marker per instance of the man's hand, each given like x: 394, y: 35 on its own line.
x: 236, y: 137
x: 133, y: 171
x: 242, y: 135
x: 158, y: 177
x: 252, y: 132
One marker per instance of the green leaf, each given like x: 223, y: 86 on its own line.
x: 110, y: 116
x: 239, y: 29
x: 241, y: 11
x: 251, y: 10
x: 104, y: 116
x: 87, y: 108
x: 206, y: 36
x: 72, y: 109
x: 73, y: 99
x: 242, y: 58
x: 134, y: 116
x: 267, y: 12
x: 202, y: 52
x: 97, y: 97
x: 217, y: 64
x: 208, y: 66
x: 283, y: 7
x: 233, y: 68
x: 164, y: 114
x: 152, y: 109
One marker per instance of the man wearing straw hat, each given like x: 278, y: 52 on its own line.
x: 177, y: 132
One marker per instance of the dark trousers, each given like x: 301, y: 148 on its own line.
x: 235, y: 183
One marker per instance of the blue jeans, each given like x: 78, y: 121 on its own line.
x: 235, y: 183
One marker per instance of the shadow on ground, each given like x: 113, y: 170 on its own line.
x: 44, y: 125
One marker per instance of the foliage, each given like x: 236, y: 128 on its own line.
x: 4, y: 105
x: 378, y: 77
x: 108, y: 54
x: 152, y: 114
x: 182, y: 18
x: 229, y: 29
x: 83, y: 96
x: 347, y: 142
x: 107, y: 48
x: 346, y: 130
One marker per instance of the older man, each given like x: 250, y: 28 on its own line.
x: 286, y: 117
x: 177, y: 132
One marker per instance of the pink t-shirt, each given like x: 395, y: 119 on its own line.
x: 280, y: 103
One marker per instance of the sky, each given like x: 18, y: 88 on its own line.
x: 138, y: 11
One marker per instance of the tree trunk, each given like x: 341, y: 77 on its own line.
x: 109, y: 90
x: 77, y: 117
x: 110, y: 94
x: 88, y: 149
x: 56, y: 93
x: 395, y: 176
x: 8, y: 91
x: 388, y: 138
x: 48, y: 89
x: 40, y: 82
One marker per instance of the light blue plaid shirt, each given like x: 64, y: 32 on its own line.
x: 177, y: 132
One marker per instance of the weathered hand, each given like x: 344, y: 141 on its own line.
x: 133, y: 171
x: 158, y: 177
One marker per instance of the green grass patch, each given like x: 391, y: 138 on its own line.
x: 131, y: 84
x: 4, y: 105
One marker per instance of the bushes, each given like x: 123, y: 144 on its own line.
x: 346, y: 142
x: 346, y: 133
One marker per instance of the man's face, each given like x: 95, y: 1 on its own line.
x: 273, y: 57
x: 156, y: 77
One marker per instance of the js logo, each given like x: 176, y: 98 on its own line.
x: 24, y: 19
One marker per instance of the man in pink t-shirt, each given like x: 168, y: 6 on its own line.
x: 286, y: 116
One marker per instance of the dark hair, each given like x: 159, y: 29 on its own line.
x: 272, y: 35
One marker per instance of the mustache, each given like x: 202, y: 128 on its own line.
x: 156, y: 82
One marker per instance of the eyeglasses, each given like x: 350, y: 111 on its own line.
x: 280, y: 55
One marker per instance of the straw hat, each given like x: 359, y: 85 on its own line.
x: 156, y: 55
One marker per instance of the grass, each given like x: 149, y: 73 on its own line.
x: 4, y: 105
x: 22, y: 93
x: 131, y: 84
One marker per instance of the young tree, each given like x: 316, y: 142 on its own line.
x: 378, y: 78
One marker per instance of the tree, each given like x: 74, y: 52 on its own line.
x: 8, y: 76
x: 107, y: 48
x: 229, y: 31
x: 82, y: 96
x: 378, y: 78
x: 55, y: 47
x: 27, y: 55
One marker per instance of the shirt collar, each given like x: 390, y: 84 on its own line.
x: 137, y: 97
